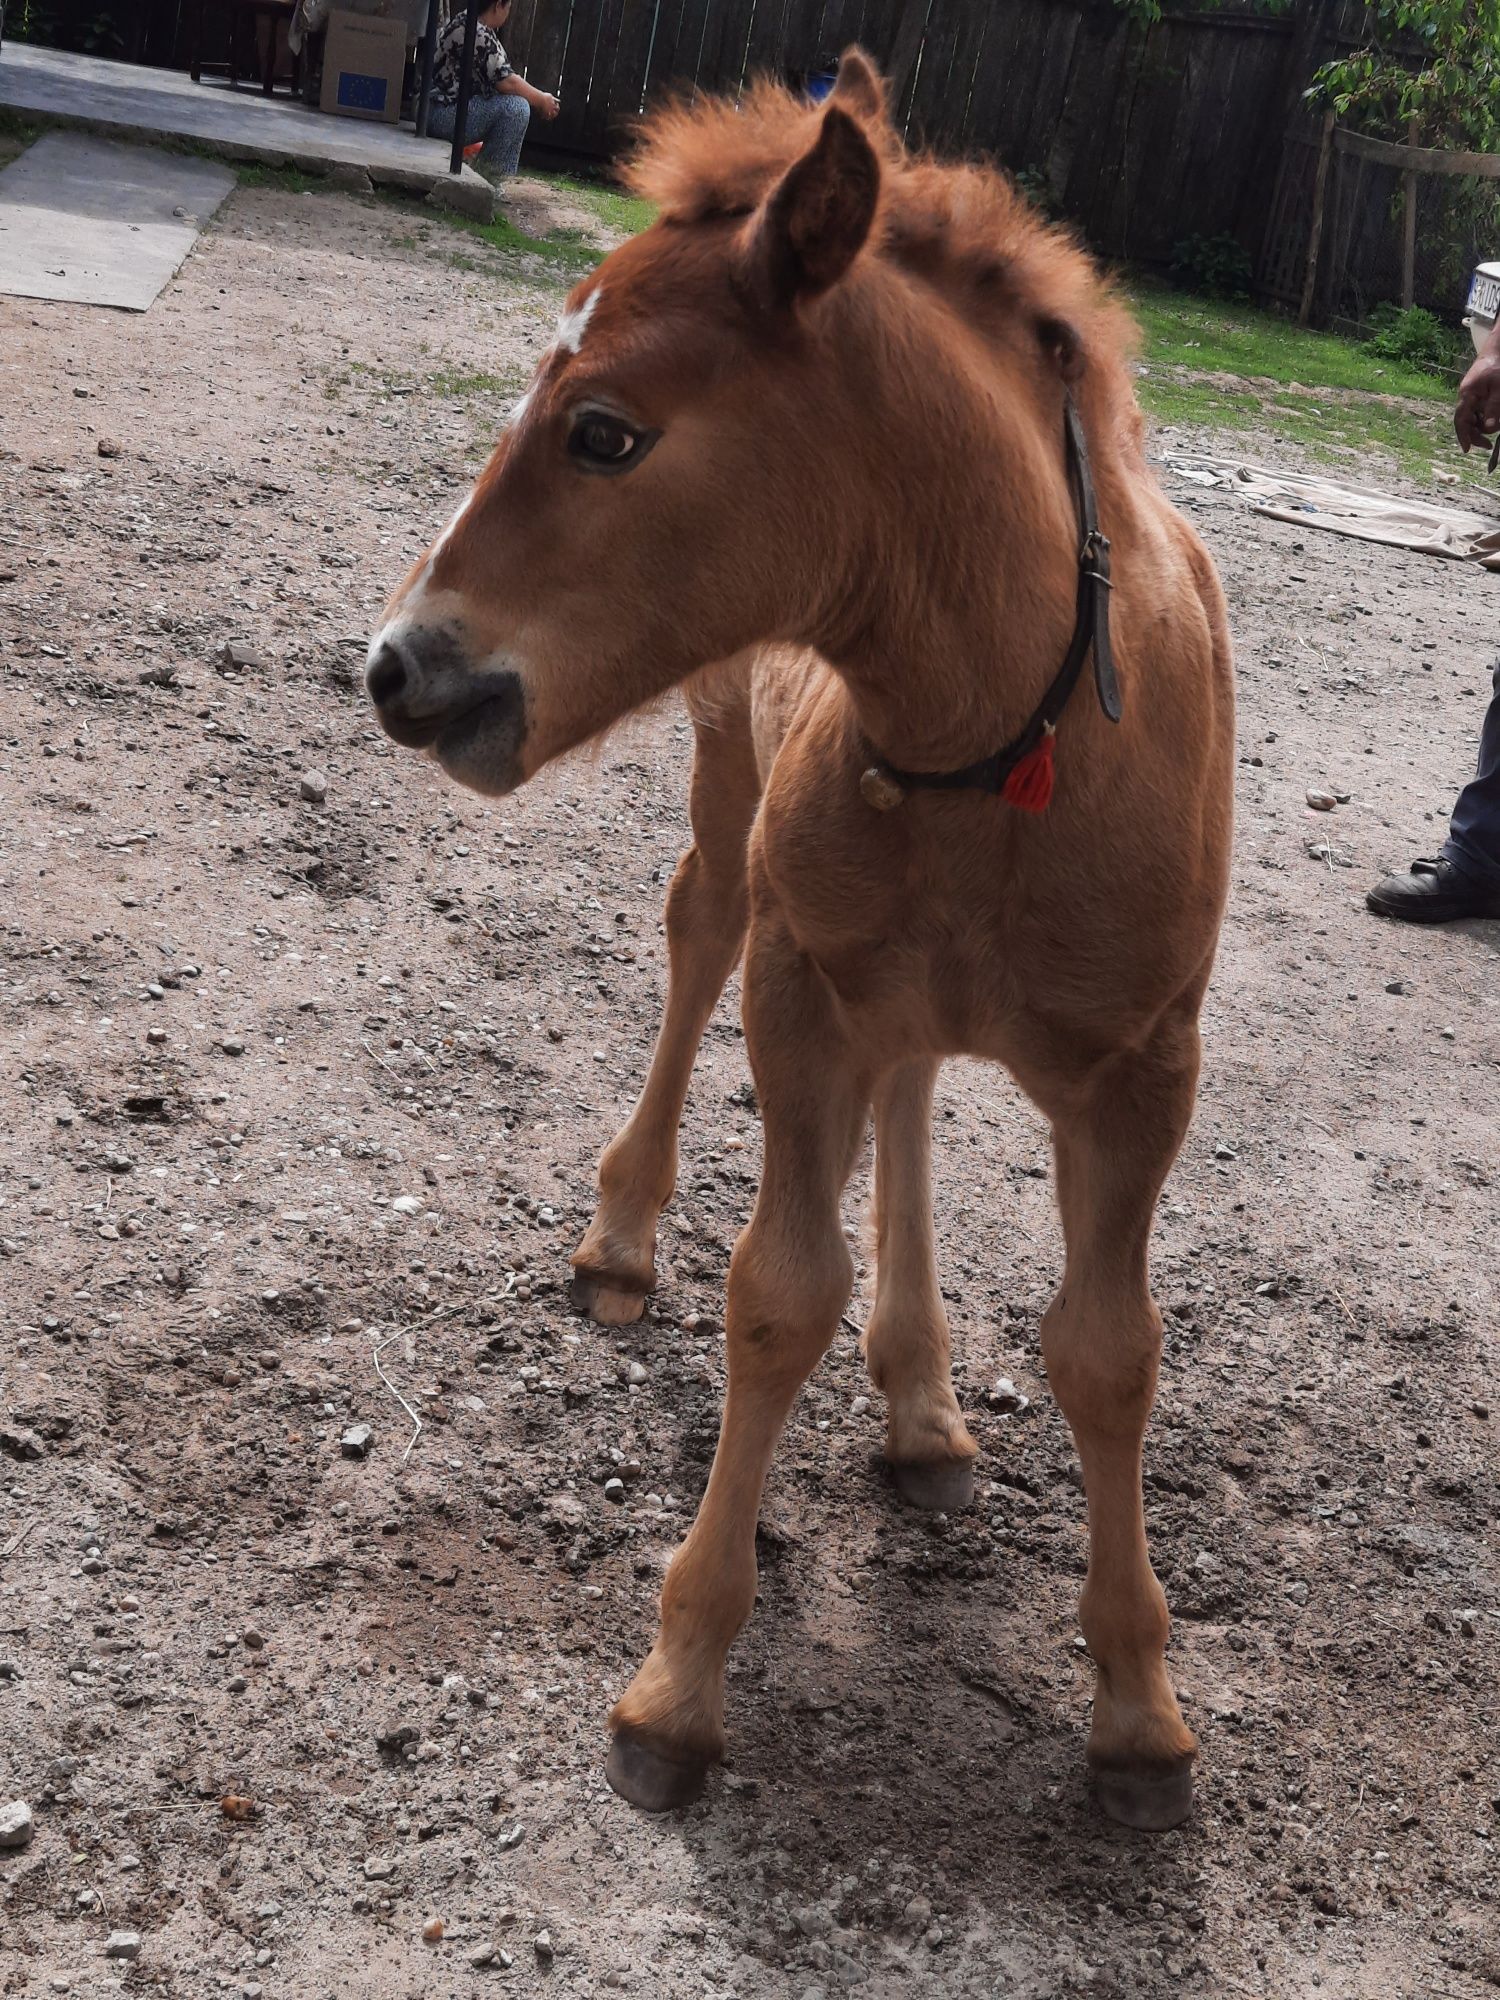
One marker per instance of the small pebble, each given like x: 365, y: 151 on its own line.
x: 314, y: 787
x: 379, y: 1868
x: 542, y: 1944
x: 1323, y: 802
x: 16, y: 1826
x: 357, y: 1440
x: 432, y: 1931
x: 122, y: 1944
x: 232, y: 1046
x: 614, y: 1489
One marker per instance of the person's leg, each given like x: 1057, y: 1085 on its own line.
x: 504, y: 132
x: 1463, y: 880
x: 1473, y: 842
x: 441, y: 119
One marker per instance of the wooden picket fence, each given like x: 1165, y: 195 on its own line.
x: 1142, y: 134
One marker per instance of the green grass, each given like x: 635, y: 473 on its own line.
x: 623, y: 214
x: 1204, y: 334
x: 1330, y: 396
x: 563, y: 250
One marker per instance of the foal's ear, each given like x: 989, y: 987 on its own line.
x: 815, y: 221
x: 860, y: 87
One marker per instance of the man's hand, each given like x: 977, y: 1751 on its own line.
x: 549, y: 107
x: 1477, y: 417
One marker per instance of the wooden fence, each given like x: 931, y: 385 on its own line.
x: 1144, y: 135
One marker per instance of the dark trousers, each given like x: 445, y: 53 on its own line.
x: 1473, y: 843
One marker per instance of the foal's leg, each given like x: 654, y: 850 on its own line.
x: 789, y: 1281
x: 1101, y: 1339
x: 614, y: 1264
x: 907, y: 1342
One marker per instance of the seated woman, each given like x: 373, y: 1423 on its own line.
x: 500, y: 102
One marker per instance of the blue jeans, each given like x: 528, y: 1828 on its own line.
x: 500, y: 121
x: 1473, y: 843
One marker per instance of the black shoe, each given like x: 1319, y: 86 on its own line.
x: 1434, y: 892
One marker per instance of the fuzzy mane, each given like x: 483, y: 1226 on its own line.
x: 965, y: 229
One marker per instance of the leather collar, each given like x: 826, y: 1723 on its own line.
x: 1021, y: 771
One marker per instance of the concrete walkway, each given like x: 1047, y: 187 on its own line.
x: 123, y: 98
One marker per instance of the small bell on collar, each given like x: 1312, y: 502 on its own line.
x: 879, y: 789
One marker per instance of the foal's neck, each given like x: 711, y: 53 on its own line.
x: 970, y: 576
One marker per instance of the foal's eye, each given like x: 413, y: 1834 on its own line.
x: 605, y: 443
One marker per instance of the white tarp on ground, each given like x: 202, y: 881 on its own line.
x: 98, y: 223
x: 1351, y: 510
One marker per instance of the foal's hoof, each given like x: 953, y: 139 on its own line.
x: 1151, y: 1800
x: 944, y: 1486
x: 605, y: 1304
x: 646, y: 1778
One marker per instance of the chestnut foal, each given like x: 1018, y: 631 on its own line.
x: 845, y: 423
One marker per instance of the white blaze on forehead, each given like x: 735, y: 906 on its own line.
x: 574, y: 324
x: 445, y: 538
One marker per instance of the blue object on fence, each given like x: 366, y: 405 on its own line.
x: 819, y: 86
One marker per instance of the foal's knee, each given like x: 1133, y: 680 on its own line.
x: 782, y: 1295
x: 1103, y: 1367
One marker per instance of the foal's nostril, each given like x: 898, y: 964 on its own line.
x: 385, y: 677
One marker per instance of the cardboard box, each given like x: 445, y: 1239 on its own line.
x: 364, y: 61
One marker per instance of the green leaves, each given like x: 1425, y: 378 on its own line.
x: 1437, y: 61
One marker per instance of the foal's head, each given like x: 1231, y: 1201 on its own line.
x: 744, y: 410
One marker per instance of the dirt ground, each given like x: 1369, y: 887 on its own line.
x: 293, y: 1085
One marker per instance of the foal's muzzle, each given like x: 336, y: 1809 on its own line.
x: 429, y: 695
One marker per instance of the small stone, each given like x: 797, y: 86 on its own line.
x: 17, y: 1442
x: 432, y: 1931
x: 379, y: 1868
x: 107, y: 448
x: 614, y: 1490
x: 156, y: 1036
x: 541, y: 1944
x: 1395, y: 986
x: 1468, y: 1623
x: 269, y: 1359
x: 314, y: 787
x: 232, y: 1046
x: 483, y: 1955
x: 512, y: 1836
x: 122, y: 1944
x: 407, y: 1204
x: 860, y: 1407
x: 16, y: 1827
x: 636, y: 1374
x: 253, y: 1639
x: 1322, y: 802
x: 1481, y: 1410
x: 1224, y: 1151
x: 357, y: 1440
x: 239, y: 653
x: 238, y: 1684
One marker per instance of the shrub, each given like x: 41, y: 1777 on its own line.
x: 1414, y: 336
x: 1218, y: 266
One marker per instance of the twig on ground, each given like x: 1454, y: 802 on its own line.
x: 376, y: 1056
x: 377, y: 1347
x: 16, y: 1540
x: 851, y: 1325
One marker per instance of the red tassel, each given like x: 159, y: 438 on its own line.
x: 1029, y: 786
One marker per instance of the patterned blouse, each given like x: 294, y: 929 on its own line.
x: 491, y: 64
